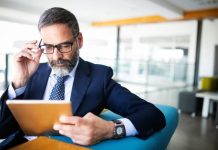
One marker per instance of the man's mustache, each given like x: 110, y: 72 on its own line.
x: 60, y: 62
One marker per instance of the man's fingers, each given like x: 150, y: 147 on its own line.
x: 25, y: 54
x: 73, y: 120
x: 31, y: 45
x: 76, y: 138
x: 35, y: 53
x: 32, y: 48
x: 64, y: 127
x: 68, y: 130
x: 86, y: 130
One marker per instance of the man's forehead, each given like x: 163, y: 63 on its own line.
x: 55, y: 34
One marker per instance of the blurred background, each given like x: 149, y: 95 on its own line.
x: 159, y: 49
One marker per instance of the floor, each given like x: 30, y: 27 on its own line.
x: 194, y: 133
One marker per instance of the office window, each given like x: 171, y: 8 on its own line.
x: 99, y: 45
x: 157, y: 56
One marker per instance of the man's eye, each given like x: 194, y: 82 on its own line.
x: 64, y: 45
x: 48, y: 47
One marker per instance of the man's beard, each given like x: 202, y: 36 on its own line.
x: 68, y: 65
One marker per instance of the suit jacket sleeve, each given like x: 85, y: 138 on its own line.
x: 8, y: 124
x: 145, y: 116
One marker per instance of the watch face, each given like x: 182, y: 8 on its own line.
x: 119, y: 130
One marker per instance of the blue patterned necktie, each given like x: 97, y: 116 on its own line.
x: 58, y: 90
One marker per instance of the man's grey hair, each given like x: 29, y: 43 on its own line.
x: 57, y: 15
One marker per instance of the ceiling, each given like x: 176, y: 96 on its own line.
x: 89, y: 11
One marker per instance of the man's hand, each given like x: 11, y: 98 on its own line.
x: 87, y: 130
x: 25, y: 63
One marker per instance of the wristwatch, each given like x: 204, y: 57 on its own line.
x: 119, y: 129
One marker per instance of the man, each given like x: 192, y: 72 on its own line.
x: 88, y: 86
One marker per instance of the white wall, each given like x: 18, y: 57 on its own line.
x: 208, y: 42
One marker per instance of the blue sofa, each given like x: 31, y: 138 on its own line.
x: 157, y: 141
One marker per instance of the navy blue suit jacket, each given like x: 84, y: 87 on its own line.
x: 92, y: 91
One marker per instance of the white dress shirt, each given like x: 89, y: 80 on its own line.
x: 13, y: 93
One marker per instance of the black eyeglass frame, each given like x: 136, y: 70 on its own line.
x: 58, y: 46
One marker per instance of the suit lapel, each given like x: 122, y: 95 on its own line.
x: 80, y: 85
x: 40, y: 82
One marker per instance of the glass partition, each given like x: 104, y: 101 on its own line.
x: 151, y: 56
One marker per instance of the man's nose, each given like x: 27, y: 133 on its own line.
x: 57, y: 54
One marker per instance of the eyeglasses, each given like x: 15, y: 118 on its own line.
x: 62, y: 47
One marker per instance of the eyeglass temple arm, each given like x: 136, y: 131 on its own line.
x: 39, y: 43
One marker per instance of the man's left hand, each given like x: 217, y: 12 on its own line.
x: 86, y: 130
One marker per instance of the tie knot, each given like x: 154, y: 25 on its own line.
x: 61, y: 78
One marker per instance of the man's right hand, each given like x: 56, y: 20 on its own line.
x: 25, y: 63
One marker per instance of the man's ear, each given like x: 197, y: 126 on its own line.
x: 80, y: 40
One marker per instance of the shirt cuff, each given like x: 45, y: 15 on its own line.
x: 130, y: 128
x: 30, y: 138
x: 12, y: 93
